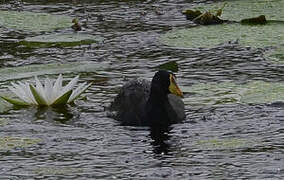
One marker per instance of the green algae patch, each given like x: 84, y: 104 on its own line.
x: 271, y: 34
x: 54, y: 68
x: 8, y: 142
x: 57, y: 170
x: 60, y: 40
x: 241, y: 9
x: 213, y: 94
x: 35, y: 22
x: 226, y: 143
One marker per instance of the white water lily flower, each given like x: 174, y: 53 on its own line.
x: 48, y: 94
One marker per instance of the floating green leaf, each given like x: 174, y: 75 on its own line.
x: 212, y: 94
x: 228, y: 143
x: 276, y: 55
x: 241, y: 9
x: 14, y: 101
x: 36, y: 22
x: 60, y: 40
x: 38, y: 97
x: 263, y: 92
x: 63, y: 99
x: 271, y: 34
x: 171, y: 66
x: 8, y: 142
x: 55, y: 68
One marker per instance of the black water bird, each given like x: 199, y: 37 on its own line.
x: 154, y: 104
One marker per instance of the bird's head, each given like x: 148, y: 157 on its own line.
x: 165, y: 81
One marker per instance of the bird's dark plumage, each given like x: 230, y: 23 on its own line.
x: 144, y: 103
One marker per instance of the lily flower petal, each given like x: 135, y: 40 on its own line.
x: 78, y: 91
x: 62, y: 99
x: 36, y: 94
x: 40, y: 88
x: 70, y: 85
x: 20, y: 94
x: 49, y: 92
x: 57, y: 86
x: 24, y: 87
x: 29, y: 93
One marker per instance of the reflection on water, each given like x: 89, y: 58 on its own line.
x: 160, y: 138
x: 60, y: 114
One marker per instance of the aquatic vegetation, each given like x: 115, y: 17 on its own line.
x: 258, y: 36
x: 276, y: 55
x: 263, y: 92
x: 8, y: 142
x: 35, y: 22
x: 191, y: 14
x: 255, y: 92
x: 13, y: 73
x: 228, y: 143
x: 270, y: 34
x: 60, y: 40
x: 240, y: 9
x: 206, y: 18
x: 76, y: 26
x: 48, y: 94
x: 254, y: 21
x: 170, y: 66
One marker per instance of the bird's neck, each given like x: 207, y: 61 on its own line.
x: 156, y: 108
x: 157, y: 95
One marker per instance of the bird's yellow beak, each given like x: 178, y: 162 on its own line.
x: 173, y: 88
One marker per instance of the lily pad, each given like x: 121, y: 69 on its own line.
x: 271, y: 34
x: 212, y: 94
x: 255, y: 92
x: 241, y: 9
x: 8, y: 142
x: 61, y: 40
x: 263, y: 92
x: 55, y: 68
x: 35, y: 22
x: 276, y: 55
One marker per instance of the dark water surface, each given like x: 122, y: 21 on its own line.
x: 82, y: 142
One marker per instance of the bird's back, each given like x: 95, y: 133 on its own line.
x: 131, y: 101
